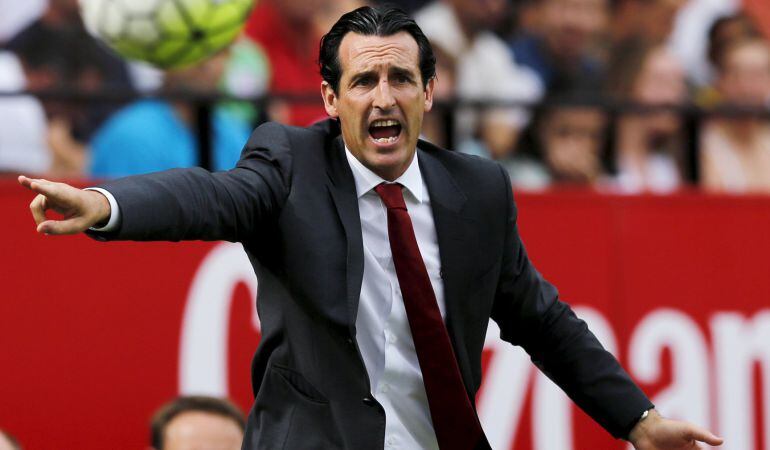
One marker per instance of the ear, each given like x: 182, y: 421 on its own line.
x: 429, y: 94
x: 330, y: 100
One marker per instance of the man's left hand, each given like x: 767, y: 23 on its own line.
x: 658, y: 433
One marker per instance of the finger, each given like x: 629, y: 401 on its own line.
x: 59, y: 227
x: 46, y: 188
x: 702, y: 435
x: 38, y: 207
x: 24, y: 181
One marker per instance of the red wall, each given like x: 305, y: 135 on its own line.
x: 92, y: 334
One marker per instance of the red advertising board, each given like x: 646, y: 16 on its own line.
x: 94, y: 336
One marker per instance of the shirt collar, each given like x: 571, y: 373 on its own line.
x: 366, y: 180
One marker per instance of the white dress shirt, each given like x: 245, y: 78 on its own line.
x: 383, y: 333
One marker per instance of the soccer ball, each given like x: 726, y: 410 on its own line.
x: 166, y: 33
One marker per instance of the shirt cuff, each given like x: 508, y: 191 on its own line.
x: 112, y: 224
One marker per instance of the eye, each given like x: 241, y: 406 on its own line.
x: 363, y: 82
x: 403, y: 79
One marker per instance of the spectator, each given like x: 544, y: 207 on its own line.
x: 72, y: 60
x: 649, y: 144
x: 647, y: 20
x: 152, y: 135
x: 484, y: 71
x: 8, y: 442
x: 724, y: 31
x: 82, y: 62
x: 565, y: 145
x: 289, y: 32
x: 688, y: 39
x: 562, y: 49
x: 735, y: 152
x: 197, y: 422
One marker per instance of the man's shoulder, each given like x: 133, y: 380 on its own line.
x: 277, y: 134
x: 460, y: 163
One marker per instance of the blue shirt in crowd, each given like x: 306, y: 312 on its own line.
x: 148, y: 136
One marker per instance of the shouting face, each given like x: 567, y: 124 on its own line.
x: 380, y: 101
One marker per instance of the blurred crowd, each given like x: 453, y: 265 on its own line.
x: 618, y: 95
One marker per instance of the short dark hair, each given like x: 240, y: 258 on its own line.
x: 192, y: 403
x: 369, y: 21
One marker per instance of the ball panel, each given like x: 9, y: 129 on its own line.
x: 142, y: 7
x: 142, y: 31
x: 111, y: 21
x: 171, y: 21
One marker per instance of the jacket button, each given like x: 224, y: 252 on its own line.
x: 350, y: 342
x: 368, y: 401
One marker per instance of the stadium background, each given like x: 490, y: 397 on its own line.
x: 669, y: 268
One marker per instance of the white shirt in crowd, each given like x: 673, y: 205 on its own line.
x: 23, y: 125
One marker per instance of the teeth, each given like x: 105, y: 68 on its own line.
x: 389, y: 140
x: 385, y: 123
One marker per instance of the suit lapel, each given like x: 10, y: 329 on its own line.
x: 455, y: 237
x: 342, y: 188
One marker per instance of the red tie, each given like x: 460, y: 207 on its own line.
x: 455, y: 422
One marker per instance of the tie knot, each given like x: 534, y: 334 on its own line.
x: 391, y: 195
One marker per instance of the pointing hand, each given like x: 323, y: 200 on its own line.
x: 81, y: 209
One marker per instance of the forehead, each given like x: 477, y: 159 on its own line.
x: 362, y: 53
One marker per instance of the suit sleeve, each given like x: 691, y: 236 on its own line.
x: 194, y: 204
x: 528, y: 310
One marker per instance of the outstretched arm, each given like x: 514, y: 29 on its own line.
x: 180, y: 204
x: 530, y: 314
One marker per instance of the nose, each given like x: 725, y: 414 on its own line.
x: 383, y: 97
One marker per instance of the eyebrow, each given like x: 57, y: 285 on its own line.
x: 394, y: 71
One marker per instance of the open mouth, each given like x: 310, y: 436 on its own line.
x: 385, y: 131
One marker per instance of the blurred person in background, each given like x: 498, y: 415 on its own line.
x: 648, y: 20
x: 8, y: 442
x: 484, y: 71
x: 735, y: 151
x: 565, y: 144
x: 197, y: 422
x: 84, y: 60
x: 289, y: 31
x: 562, y: 47
x: 153, y: 135
x: 62, y: 56
x: 722, y: 32
x: 649, y: 144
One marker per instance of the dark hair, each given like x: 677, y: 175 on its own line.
x: 14, y: 443
x: 369, y: 21
x: 193, y: 403
x: 725, y: 32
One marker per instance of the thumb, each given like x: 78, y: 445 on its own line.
x: 74, y: 225
x: 705, y: 436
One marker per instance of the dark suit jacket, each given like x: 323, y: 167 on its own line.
x: 292, y: 202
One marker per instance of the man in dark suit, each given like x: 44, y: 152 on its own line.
x: 380, y: 258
